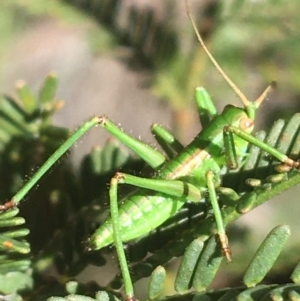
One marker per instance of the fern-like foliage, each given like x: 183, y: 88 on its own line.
x: 153, y: 42
x: 27, y: 137
x: 198, y: 267
x: 79, y: 205
x: 67, y: 208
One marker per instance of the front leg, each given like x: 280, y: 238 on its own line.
x: 218, y: 215
x: 173, y: 188
x: 176, y: 189
x: 230, y: 152
x: 153, y: 157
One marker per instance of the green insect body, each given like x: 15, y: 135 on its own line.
x: 142, y: 212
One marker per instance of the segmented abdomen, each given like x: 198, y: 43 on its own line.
x: 140, y: 214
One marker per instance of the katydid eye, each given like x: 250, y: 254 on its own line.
x: 246, y: 123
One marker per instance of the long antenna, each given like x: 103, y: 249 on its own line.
x: 238, y: 92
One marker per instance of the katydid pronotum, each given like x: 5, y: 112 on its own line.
x: 194, y: 170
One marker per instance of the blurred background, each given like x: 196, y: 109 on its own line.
x: 138, y: 63
x: 112, y: 56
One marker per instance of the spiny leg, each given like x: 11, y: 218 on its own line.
x: 218, y: 215
x: 153, y: 157
x: 49, y: 163
x: 168, y: 142
x: 170, y: 187
x: 175, y: 188
x: 114, y: 211
x: 230, y: 150
x: 260, y: 144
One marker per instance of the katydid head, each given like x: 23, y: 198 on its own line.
x: 250, y: 107
x: 245, y: 120
x: 238, y: 117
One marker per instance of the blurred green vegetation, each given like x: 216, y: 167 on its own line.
x: 254, y: 41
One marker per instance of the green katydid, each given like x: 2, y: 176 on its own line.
x: 183, y: 177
